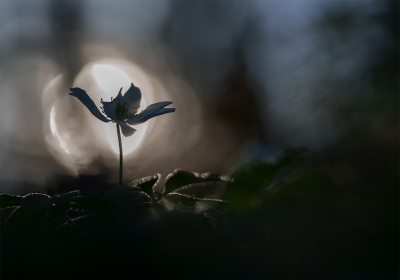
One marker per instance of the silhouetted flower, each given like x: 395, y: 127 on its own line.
x: 123, y: 109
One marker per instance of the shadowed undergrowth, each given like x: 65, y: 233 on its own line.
x: 275, y: 220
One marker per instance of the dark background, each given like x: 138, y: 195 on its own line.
x: 248, y: 79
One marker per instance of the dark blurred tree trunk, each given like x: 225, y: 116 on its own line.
x: 236, y: 102
x: 66, y: 20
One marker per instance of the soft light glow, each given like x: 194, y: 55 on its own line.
x: 53, y: 128
x: 110, y: 79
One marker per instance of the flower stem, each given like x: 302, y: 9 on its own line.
x: 120, y: 155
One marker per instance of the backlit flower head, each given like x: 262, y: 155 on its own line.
x: 123, y: 109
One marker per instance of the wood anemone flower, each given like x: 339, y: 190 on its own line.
x: 123, y: 109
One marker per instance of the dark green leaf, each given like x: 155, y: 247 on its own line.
x: 181, y: 178
x: 191, y: 201
x: 288, y: 163
x: 63, y: 203
x: 96, y: 204
x: 54, y: 213
x: 290, y: 155
x: 82, y: 223
x: 86, y: 221
x: 213, y: 202
x: 68, y: 196
x: 159, y: 210
x: 142, y: 208
x: 7, y: 200
x: 158, y: 194
x: 188, y: 200
x: 147, y: 184
x: 35, y: 202
x: 65, y: 232
x: 173, y: 198
x: 243, y: 192
x: 251, y: 182
x: 15, y: 218
x: 216, y: 214
x: 305, y: 188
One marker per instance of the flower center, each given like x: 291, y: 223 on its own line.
x: 121, y: 110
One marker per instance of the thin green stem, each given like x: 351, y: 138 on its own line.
x: 120, y: 155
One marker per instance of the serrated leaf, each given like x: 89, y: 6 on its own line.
x: 69, y: 196
x: 34, y: 202
x: 180, y: 178
x: 7, y: 200
x: 82, y: 223
x: 15, y: 218
x: 190, y: 201
x: 96, y: 204
x: 63, y: 203
x: 65, y: 232
x: 147, y: 184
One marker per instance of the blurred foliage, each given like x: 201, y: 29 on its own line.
x: 280, y: 220
x: 248, y: 183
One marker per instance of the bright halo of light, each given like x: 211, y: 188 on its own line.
x: 110, y: 79
x: 53, y: 128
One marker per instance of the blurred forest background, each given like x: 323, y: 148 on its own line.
x: 248, y: 79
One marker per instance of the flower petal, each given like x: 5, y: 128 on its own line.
x: 126, y: 129
x: 157, y: 106
x: 118, y: 97
x: 109, y: 109
x: 151, y: 111
x: 133, y: 96
x: 88, y: 102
